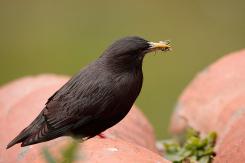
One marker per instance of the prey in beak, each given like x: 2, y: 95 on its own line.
x: 161, y: 45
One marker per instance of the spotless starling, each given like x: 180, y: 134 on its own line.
x: 96, y: 98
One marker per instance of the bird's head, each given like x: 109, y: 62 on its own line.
x: 129, y: 52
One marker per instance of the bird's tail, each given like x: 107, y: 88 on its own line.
x: 24, y: 134
x: 21, y: 137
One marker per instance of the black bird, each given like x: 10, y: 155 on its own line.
x: 96, y: 98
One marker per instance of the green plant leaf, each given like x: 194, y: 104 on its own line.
x: 195, y: 149
x: 47, y: 155
x: 69, y: 154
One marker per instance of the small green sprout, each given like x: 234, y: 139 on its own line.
x: 68, y: 154
x: 194, y: 150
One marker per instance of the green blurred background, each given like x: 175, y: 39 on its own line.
x: 63, y: 36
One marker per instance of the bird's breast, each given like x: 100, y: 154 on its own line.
x: 128, y: 85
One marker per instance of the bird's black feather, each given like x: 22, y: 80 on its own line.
x: 95, y: 99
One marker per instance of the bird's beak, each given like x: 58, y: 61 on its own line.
x: 161, y: 45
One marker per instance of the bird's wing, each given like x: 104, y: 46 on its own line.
x: 75, y: 105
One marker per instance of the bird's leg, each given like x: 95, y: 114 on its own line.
x: 102, y: 136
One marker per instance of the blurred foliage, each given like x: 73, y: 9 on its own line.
x: 194, y: 149
x: 68, y: 155
x: 62, y: 36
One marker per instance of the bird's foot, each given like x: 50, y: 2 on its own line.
x: 102, y: 136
